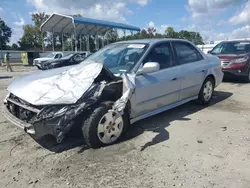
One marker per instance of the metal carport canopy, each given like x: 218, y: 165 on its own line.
x: 80, y: 25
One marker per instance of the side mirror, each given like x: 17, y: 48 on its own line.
x: 149, y: 67
x: 209, y: 51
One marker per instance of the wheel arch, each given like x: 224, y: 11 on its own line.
x: 213, y: 77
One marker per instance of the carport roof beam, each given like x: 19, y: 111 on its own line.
x: 61, y: 23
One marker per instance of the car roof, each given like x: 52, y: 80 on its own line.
x: 152, y: 40
x: 235, y: 41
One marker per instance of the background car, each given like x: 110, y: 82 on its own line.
x: 70, y: 59
x: 50, y: 56
x: 120, y: 84
x: 235, y: 58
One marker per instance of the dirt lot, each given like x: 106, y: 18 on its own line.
x: 190, y: 146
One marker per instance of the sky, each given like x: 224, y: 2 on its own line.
x: 214, y: 19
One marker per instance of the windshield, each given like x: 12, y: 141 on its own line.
x: 50, y: 55
x: 119, y: 57
x: 231, y: 48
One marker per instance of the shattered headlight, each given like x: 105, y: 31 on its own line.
x: 52, y: 112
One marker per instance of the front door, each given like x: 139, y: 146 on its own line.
x: 158, y: 89
x: 193, y: 69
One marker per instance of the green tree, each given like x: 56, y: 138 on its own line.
x: 185, y: 34
x: 143, y: 34
x: 111, y: 36
x: 151, y: 32
x: 170, y: 33
x: 195, y: 37
x: 14, y: 46
x: 39, y: 18
x: 77, y: 15
x: 5, y: 34
x: 32, y: 36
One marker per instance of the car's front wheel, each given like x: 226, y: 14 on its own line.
x: 103, y: 126
x: 206, y: 91
x: 38, y: 67
x: 247, y: 78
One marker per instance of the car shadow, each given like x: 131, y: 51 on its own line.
x: 236, y: 81
x: 160, y: 122
x: 157, y: 124
x: 72, y: 140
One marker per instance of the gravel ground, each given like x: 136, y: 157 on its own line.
x: 190, y: 146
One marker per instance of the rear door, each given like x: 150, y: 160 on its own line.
x: 193, y: 68
x: 158, y: 89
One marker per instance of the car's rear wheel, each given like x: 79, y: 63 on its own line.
x: 103, y: 126
x: 206, y: 91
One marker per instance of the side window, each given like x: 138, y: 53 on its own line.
x: 161, y: 54
x: 186, y: 53
x: 79, y: 57
x: 58, y: 56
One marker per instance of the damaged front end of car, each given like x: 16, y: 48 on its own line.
x: 59, y: 119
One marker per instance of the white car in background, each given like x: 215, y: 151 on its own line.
x: 50, y: 56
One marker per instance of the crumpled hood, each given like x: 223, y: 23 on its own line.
x: 57, y: 86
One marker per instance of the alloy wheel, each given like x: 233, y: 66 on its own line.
x: 110, y: 127
x: 208, y: 90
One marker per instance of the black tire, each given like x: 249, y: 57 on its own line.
x: 38, y: 67
x: 201, y: 97
x: 89, y: 127
x: 246, y: 79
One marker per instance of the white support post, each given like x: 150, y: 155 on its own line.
x: 53, y: 47
x: 96, y: 41
x: 75, y: 37
x: 105, y: 36
x: 42, y: 41
x: 71, y: 41
x: 117, y: 34
x: 103, y: 41
x: 88, y: 45
x: 62, y: 43
x: 80, y: 42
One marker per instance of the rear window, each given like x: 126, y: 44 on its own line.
x: 231, y: 48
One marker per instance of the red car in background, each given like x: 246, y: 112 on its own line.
x: 235, y: 58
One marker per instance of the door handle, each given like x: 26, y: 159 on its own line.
x: 200, y: 71
x: 174, y: 79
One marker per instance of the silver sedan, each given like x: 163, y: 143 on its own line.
x: 118, y: 85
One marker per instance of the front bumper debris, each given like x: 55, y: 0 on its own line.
x: 39, y: 128
x: 239, y: 73
x: 57, y: 120
x: 28, y: 128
